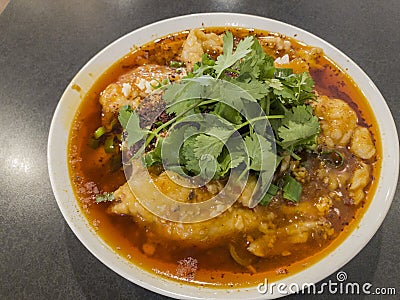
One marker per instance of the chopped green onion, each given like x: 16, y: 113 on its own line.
x: 272, y: 190
x: 266, y: 199
x: 94, y: 143
x: 99, y: 132
x: 207, y: 60
x: 291, y: 189
x: 105, y: 197
x: 155, y: 84
x: 175, y: 64
x: 109, y: 145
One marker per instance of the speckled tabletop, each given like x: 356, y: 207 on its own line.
x: 44, y: 43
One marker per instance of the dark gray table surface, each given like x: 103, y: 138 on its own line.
x: 44, y: 43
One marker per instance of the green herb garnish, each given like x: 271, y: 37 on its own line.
x: 105, y: 197
x: 99, y: 132
x: 248, y: 80
x: 292, y: 189
x: 272, y: 191
x: 175, y: 64
x: 230, y: 57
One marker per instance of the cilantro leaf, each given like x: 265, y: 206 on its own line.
x: 189, y: 159
x: 227, y: 112
x: 135, y: 133
x: 177, y: 136
x: 267, y: 68
x: 179, y: 97
x: 261, y: 159
x: 275, y: 84
x: 207, y: 145
x: 285, y: 94
x: 298, y: 127
x: 154, y: 157
x: 124, y: 115
x: 204, y: 67
x: 130, y: 121
x: 236, y: 96
x: 194, y: 145
x: 221, y: 133
x: 256, y: 64
x: 292, y: 189
x: 297, y: 88
x: 230, y: 57
x: 260, y: 153
x: 229, y: 161
x: 283, y: 72
x: 255, y: 88
x: 209, y: 166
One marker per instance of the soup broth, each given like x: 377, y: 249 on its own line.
x: 91, y: 175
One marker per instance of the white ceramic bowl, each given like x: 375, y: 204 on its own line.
x: 60, y: 181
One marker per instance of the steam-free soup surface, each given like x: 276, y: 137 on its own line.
x: 330, y: 204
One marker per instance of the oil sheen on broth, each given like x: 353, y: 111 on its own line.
x: 214, y: 266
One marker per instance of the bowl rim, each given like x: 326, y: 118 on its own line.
x: 69, y: 101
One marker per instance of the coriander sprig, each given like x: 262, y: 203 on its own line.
x: 239, y: 80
